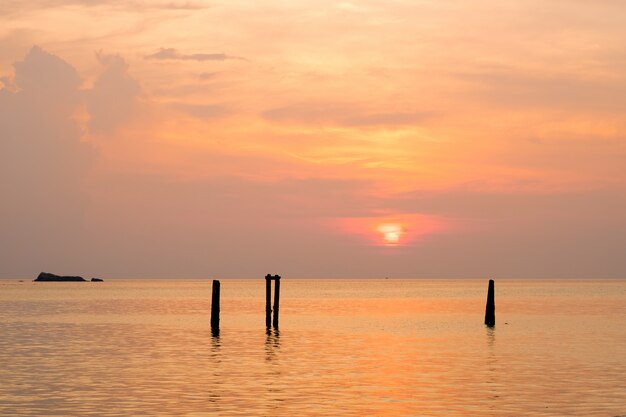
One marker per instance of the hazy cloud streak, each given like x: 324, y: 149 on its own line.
x: 173, y: 55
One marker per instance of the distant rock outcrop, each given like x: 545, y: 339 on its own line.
x: 96, y: 280
x: 46, y: 277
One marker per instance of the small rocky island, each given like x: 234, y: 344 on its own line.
x: 47, y: 277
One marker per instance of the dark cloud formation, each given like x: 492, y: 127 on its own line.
x: 43, y: 164
x: 172, y: 54
x: 46, y: 158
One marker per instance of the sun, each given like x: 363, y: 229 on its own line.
x: 392, y: 232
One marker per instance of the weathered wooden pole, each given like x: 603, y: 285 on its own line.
x: 276, y: 299
x: 490, y: 311
x: 215, y: 307
x: 268, y: 301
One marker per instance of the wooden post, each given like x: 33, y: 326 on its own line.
x: 276, y: 299
x: 268, y: 301
x: 215, y: 307
x: 490, y: 311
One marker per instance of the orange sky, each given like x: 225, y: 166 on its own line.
x: 236, y: 138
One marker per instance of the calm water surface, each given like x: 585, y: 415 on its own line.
x: 345, y: 348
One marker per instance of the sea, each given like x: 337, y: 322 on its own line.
x: 377, y: 347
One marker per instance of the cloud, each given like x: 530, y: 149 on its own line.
x: 294, y: 223
x: 387, y: 119
x: 46, y: 157
x: 53, y: 81
x: 113, y: 98
x: 343, y: 115
x: 208, y: 75
x: 574, y: 234
x: 215, y: 223
x: 177, y: 5
x: 201, y: 111
x: 6, y: 82
x: 43, y: 163
x: 18, y: 6
x: 519, y: 89
x: 172, y: 54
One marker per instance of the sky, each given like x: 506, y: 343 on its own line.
x: 312, y: 139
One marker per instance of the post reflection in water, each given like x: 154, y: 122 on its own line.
x: 272, y: 343
x: 213, y: 395
x: 491, y: 337
x: 491, y: 364
x: 215, y: 341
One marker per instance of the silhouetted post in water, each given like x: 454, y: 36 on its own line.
x: 490, y: 311
x: 276, y: 299
x: 215, y: 307
x: 268, y: 301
